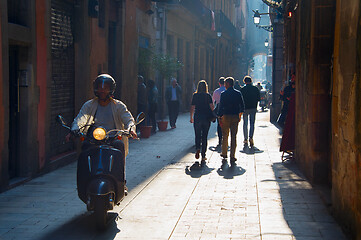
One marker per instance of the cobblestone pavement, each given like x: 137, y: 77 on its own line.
x: 260, y: 198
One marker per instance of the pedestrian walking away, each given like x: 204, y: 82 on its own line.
x: 259, y: 86
x: 216, y: 98
x: 251, y: 96
x: 230, y: 110
x: 173, y: 97
x: 237, y: 86
x: 201, y: 106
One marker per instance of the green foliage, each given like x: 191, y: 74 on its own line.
x: 166, y: 65
x: 144, y: 60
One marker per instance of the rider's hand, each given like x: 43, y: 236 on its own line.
x: 71, y: 135
x: 133, y: 134
x: 68, y: 137
x: 191, y: 121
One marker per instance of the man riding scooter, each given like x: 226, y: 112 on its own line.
x: 105, y: 111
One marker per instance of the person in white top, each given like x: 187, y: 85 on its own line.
x: 216, y: 99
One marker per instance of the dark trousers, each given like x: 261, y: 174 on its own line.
x: 201, y: 128
x: 151, y: 118
x: 173, y: 110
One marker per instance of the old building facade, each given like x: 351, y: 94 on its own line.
x: 52, y: 50
x: 322, y: 46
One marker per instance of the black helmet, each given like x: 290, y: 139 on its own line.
x: 104, y: 79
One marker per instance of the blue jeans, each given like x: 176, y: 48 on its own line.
x: 251, y: 113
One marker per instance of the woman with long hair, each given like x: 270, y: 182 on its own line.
x: 200, y: 108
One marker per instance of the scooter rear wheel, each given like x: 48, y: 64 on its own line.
x: 100, y: 213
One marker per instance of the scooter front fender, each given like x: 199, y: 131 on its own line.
x: 101, y: 186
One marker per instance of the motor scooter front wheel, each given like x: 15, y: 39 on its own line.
x: 100, y: 213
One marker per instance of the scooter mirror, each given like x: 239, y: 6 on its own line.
x: 140, y: 118
x: 61, y: 120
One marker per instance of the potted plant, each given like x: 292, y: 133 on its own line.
x: 145, y: 131
x: 167, y: 66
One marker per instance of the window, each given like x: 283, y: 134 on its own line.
x: 18, y: 12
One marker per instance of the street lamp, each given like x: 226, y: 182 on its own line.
x: 266, y: 43
x: 257, y: 20
x: 256, y: 17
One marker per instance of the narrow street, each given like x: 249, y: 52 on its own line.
x: 261, y: 198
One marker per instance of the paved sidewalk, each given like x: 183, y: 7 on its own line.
x: 260, y: 198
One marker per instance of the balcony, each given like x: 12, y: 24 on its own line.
x: 195, y: 6
x: 224, y: 25
x: 167, y: 1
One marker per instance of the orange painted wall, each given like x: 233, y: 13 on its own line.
x: 41, y: 67
x: 98, y: 49
x: 129, y: 84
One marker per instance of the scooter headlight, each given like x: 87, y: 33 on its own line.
x: 99, y: 134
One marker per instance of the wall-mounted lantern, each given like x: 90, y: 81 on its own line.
x: 266, y: 43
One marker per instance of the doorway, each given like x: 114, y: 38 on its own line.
x: 14, y: 113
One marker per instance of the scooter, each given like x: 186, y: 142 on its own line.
x: 263, y: 103
x: 101, y: 170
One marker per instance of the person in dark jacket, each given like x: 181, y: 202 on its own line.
x: 285, y: 96
x: 251, y: 96
x: 152, y: 104
x: 199, y: 113
x: 142, y: 95
x: 230, y: 110
x: 173, y: 96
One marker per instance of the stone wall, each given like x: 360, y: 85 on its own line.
x: 314, y: 59
x: 346, y: 116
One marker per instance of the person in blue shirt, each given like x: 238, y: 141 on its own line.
x: 230, y: 110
